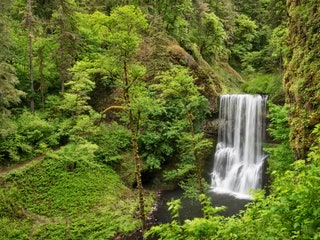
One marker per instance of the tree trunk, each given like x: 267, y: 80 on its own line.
x: 195, y: 155
x: 42, y: 79
x: 31, y: 57
x: 138, y: 173
x: 134, y: 128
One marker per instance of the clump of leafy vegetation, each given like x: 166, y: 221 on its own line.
x: 265, y: 84
x: 280, y: 153
x: 68, y: 195
x: 198, y: 228
x: 30, y: 135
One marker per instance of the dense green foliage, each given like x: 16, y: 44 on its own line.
x: 182, y: 98
x: 280, y: 153
x: 29, y: 136
x: 96, y: 92
x: 265, y: 84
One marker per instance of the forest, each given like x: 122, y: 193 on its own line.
x: 105, y: 103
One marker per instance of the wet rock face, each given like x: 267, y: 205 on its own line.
x: 211, y: 127
x: 302, y: 78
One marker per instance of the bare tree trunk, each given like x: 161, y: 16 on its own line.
x: 31, y: 57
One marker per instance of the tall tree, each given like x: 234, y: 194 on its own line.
x: 29, y: 18
x: 64, y: 24
x: 244, y: 34
x: 211, y: 37
x: 176, y: 14
x: 9, y: 94
x: 4, y: 32
x: 123, y: 36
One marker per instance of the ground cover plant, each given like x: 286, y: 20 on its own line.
x: 68, y: 195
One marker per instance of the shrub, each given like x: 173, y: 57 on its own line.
x: 266, y: 84
x: 31, y: 135
x: 280, y: 152
x: 112, y: 140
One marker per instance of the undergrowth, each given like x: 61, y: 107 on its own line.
x: 67, y: 196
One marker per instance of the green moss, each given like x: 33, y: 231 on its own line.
x: 229, y: 79
x: 302, y: 74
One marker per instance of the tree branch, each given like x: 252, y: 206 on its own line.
x: 111, y: 108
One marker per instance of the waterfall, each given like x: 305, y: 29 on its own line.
x: 238, y: 159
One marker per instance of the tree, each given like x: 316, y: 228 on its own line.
x: 176, y: 15
x: 5, y: 42
x: 78, y: 117
x: 29, y: 19
x: 180, y: 93
x: 45, y: 70
x: 211, y: 37
x: 277, y: 13
x: 278, y: 45
x: 63, y: 20
x: 226, y: 11
x: 9, y: 95
x: 245, y: 32
x: 123, y: 28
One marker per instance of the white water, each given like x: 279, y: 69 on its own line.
x: 238, y: 160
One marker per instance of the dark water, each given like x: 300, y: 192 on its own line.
x: 191, y: 208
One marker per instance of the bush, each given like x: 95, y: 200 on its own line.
x: 112, y: 140
x: 280, y: 153
x: 265, y: 84
x: 8, y: 204
x: 14, y: 229
x: 30, y: 136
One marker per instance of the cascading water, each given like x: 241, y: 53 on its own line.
x: 238, y: 160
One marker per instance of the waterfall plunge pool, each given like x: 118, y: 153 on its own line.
x: 192, y: 209
x: 238, y: 161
